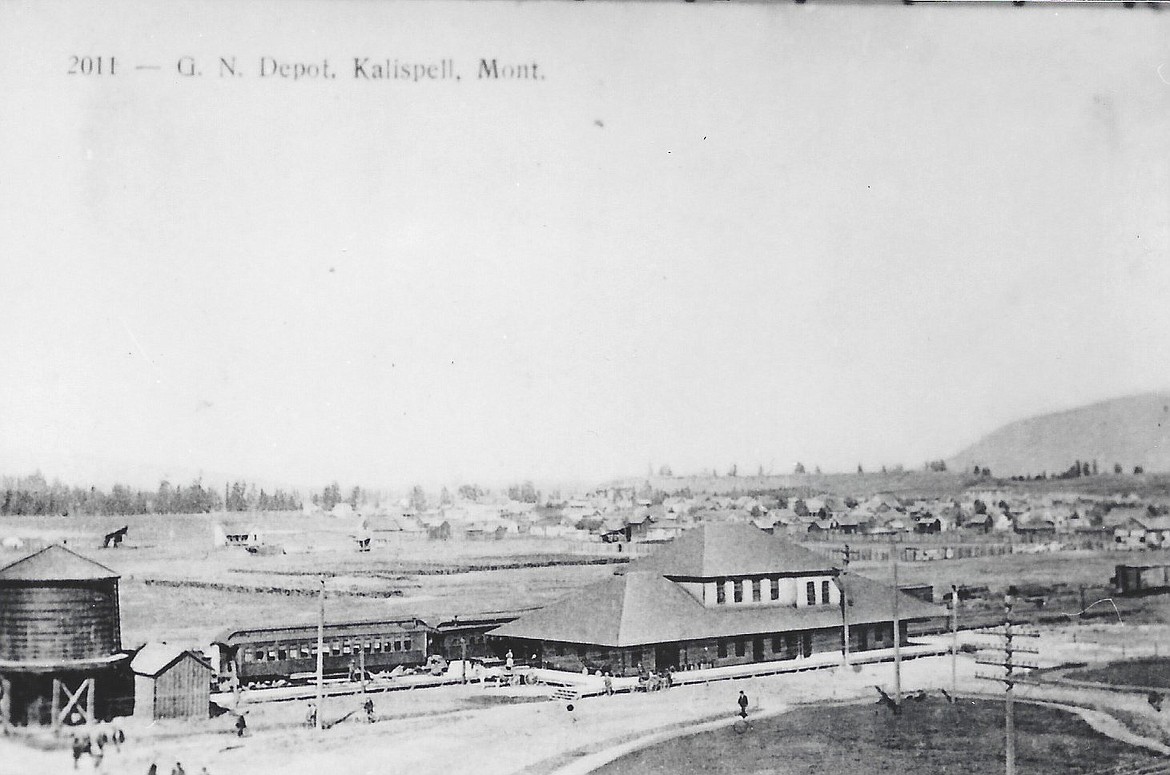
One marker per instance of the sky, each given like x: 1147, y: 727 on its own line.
x: 713, y: 234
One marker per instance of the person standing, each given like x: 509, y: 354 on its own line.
x: 78, y: 749
x: 743, y: 704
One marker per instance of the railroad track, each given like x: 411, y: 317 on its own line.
x: 333, y: 689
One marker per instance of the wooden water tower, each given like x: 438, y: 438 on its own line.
x: 60, y: 638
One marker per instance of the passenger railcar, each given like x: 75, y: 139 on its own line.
x: 271, y: 654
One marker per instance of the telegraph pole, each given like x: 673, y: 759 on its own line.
x: 463, y: 655
x: 362, y: 665
x: 1009, y: 716
x: 897, y: 634
x: 320, y: 655
x: 1004, y: 656
x: 845, y: 604
x: 954, y: 640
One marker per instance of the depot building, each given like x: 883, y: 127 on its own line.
x: 719, y: 594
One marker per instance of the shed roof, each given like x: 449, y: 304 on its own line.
x: 714, y: 550
x: 154, y: 658
x: 55, y: 563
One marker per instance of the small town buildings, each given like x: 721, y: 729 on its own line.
x: 170, y: 682
x: 719, y: 594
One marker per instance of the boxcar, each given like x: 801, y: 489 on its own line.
x: 266, y: 654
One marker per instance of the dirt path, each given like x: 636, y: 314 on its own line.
x: 437, y: 733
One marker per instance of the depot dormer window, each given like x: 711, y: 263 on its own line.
x: 737, y: 586
x: 810, y: 592
x: 824, y: 592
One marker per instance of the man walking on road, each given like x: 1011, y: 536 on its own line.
x: 743, y: 703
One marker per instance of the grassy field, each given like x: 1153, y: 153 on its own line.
x: 929, y: 738
x: 1152, y: 671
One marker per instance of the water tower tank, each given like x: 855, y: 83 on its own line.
x: 58, y: 610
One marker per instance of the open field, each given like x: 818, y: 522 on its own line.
x: 929, y: 738
x: 1149, y: 671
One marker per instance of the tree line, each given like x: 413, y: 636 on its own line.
x: 33, y: 495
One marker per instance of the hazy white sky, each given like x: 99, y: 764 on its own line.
x: 715, y: 234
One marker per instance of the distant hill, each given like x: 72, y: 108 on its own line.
x: 1133, y: 431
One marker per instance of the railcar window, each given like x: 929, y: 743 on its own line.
x: 406, y: 645
x: 247, y: 655
x: 281, y: 654
x: 272, y: 655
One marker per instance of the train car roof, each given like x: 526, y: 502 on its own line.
x: 226, y: 636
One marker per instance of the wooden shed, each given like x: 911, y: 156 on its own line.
x: 170, y: 682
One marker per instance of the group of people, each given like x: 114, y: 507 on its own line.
x: 98, y: 741
x: 176, y: 770
x: 94, y: 742
x: 367, y: 708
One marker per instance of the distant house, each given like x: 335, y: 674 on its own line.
x: 170, y: 682
x: 1151, y: 531
x: 928, y: 525
x: 849, y: 523
x: 980, y: 523
x: 235, y: 534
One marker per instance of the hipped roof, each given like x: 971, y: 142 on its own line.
x: 720, y: 550
x: 55, y: 563
x: 642, y: 608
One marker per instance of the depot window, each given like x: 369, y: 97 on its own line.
x: 720, y: 593
x: 740, y: 648
x: 775, y: 589
x: 756, y: 595
x: 824, y: 592
x: 722, y: 648
x: 810, y: 592
x: 737, y: 588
